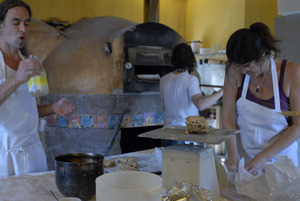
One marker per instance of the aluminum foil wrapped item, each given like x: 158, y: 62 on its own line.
x: 187, y: 192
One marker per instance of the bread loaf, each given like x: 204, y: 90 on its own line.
x: 196, y: 124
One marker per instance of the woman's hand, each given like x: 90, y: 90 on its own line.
x: 63, y: 108
x: 256, y: 164
x: 232, y: 164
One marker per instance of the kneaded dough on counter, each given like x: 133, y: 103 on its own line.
x: 128, y: 166
x: 127, y: 159
x: 109, y: 163
x: 128, y: 163
x: 125, y: 163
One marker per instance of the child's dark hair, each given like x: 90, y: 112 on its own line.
x: 183, y: 57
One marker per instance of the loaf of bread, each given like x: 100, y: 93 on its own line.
x: 196, y: 124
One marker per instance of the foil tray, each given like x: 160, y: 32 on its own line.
x: 214, y: 136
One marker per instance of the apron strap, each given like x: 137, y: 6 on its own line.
x: 2, y: 68
x: 275, y: 85
x: 245, y: 86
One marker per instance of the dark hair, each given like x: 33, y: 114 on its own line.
x: 183, y: 57
x: 246, y: 45
x: 8, y: 4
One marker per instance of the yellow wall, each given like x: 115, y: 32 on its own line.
x: 213, y: 21
x: 261, y: 11
x: 74, y: 10
x: 173, y: 14
x: 210, y: 21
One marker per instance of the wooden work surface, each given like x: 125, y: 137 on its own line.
x: 214, y: 136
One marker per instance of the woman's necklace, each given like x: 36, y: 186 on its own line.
x: 259, y: 86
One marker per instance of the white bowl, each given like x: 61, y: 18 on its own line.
x: 70, y: 199
x: 129, y: 186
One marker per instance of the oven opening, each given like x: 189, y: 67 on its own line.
x: 151, y: 70
x: 130, y: 142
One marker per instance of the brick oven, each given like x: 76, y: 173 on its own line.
x: 103, y: 82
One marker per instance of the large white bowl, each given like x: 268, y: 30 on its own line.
x: 70, y: 199
x: 129, y: 186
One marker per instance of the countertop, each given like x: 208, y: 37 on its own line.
x: 38, y: 186
x: 29, y: 187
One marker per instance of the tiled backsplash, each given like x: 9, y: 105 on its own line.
x: 106, y: 121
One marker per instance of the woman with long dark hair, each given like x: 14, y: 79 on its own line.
x: 258, y: 88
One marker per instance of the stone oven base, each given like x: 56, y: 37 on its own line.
x: 60, y: 140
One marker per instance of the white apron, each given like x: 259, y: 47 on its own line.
x: 260, y: 125
x: 21, y: 150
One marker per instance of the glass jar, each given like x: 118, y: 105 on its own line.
x: 38, y: 84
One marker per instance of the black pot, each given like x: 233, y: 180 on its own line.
x: 75, y: 174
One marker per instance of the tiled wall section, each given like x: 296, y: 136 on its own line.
x: 106, y: 121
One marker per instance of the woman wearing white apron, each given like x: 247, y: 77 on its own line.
x: 254, y: 99
x: 21, y: 150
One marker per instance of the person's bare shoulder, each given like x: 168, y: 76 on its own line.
x: 292, y: 70
x: 291, y: 76
x: 234, y: 77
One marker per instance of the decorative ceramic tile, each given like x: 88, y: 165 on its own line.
x: 101, y: 121
x: 106, y: 121
x: 75, y: 121
x: 113, y: 120
x: 127, y: 121
x: 87, y: 121
x: 61, y: 122
x: 51, y: 120
x: 149, y: 119
x: 138, y: 120
x: 159, y: 117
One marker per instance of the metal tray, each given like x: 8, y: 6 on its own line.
x: 214, y: 136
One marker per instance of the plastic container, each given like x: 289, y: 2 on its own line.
x: 38, y: 84
x: 129, y: 186
x: 195, y: 45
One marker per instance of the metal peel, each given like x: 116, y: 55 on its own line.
x: 54, y: 195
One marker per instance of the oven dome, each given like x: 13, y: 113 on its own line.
x: 79, y: 65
